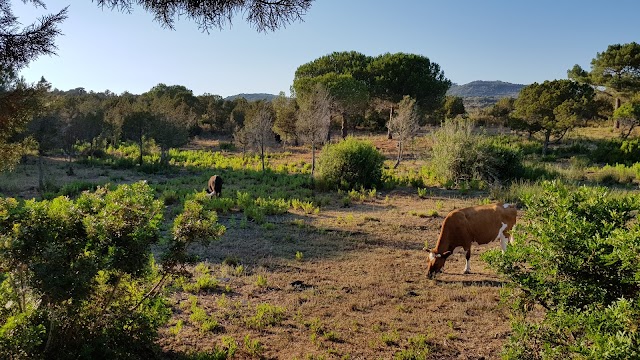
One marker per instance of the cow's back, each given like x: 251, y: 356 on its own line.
x: 485, y: 222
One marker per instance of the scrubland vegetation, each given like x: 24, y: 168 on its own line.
x: 111, y: 249
x: 310, y: 256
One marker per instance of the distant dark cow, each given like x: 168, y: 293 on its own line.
x: 214, y: 188
x: 477, y: 224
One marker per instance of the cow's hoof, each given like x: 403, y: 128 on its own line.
x: 466, y: 272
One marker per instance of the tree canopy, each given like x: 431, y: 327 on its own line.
x: 263, y: 15
x: 554, y: 107
x: 617, y: 68
x: 356, y: 80
x: 400, y: 74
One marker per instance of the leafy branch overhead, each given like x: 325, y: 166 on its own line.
x: 264, y: 15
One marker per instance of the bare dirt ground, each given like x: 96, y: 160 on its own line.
x: 360, y: 291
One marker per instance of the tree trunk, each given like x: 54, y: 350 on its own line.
x: 262, y: 155
x: 389, y: 136
x: 163, y: 156
x: 343, y: 127
x: 399, y: 154
x: 140, y: 143
x: 313, y: 158
x: 616, y: 122
x: 631, y: 127
x: 545, y: 146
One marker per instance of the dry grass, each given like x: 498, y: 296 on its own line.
x: 360, y: 291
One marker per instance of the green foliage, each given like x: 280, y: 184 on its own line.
x: 418, y: 348
x: 226, y: 351
x: 306, y: 206
x: 350, y: 164
x: 400, y: 74
x: 204, y: 280
x: 390, y: 338
x: 76, y: 187
x: 554, y: 107
x: 272, y: 206
x: 423, y: 193
x: 453, y: 106
x: 80, y: 274
x: 460, y: 156
x: 194, y: 224
x: 253, y: 347
x: 616, y: 68
x: 611, y: 175
x: 261, y: 281
x: 629, y: 110
x: 175, y: 330
x: 616, y: 151
x: 266, y: 315
x: 361, y: 195
x: 200, y: 317
x: 575, y: 254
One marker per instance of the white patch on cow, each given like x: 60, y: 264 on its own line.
x: 431, y: 256
x: 506, y: 205
x: 503, y: 239
x: 467, y: 268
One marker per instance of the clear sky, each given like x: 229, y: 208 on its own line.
x: 518, y: 41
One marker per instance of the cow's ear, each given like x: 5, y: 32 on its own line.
x: 446, y: 254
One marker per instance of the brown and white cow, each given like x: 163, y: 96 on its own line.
x: 477, y: 224
x: 214, y: 188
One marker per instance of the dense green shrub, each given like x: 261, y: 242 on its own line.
x: 78, y: 279
x: 461, y: 156
x: 616, y: 151
x: 502, y: 161
x: 575, y: 255
x: 350, y: 164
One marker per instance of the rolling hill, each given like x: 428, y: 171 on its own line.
x: 253, y: 97
x: 481, y: 88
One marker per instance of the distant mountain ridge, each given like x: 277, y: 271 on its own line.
x: 490, y: 89
x: 477, y: 93
x: 253, y: 97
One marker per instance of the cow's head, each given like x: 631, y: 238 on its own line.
x: 435, y: 262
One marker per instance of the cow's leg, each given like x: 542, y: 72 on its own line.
x: 503, y: 239
x: 467, y: 268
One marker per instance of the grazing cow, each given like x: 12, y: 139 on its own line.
x: 477, y: 224
x: 214, y: 188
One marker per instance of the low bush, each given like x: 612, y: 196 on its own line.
x: 78, y: 278
x: 461, y: 156
x: 616, y: 151
x: 266, y: 315
x: 575, y: 255
x: 350, y: 164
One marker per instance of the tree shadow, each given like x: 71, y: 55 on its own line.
x: 474, y: 283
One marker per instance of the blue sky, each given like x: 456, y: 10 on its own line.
x: 516, y: 41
